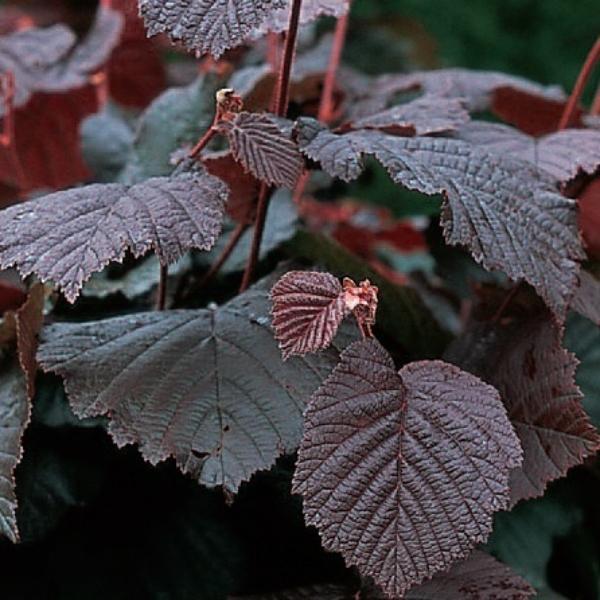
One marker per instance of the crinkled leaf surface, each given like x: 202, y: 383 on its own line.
x: 308, y: 308
x: 207, y: 26
x: 67, y: 236
x: 402, y: 471
x: 505, y: 211
x: 49, y: 60
x: 562, y: 154
x: 428, y: 114
x: 14, y: 417
x: 524, y: 360
x: 207, y: 387
x: 264, y: 149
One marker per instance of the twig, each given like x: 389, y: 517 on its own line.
x: 161, y: 298
x: 584, y: 74
x: 339, y: 39
x: 281, y: 105
x: 595, y: 108
x: 209, y: 134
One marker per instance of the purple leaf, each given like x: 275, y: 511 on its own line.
x: 401, y: 472
x: 67, y: 236
x: 523, y: 358
x: 308, y: 308
x: 49, y: 60
x: 264, y: 149
x: 207, y: 26
x: 206, y: 387
x: 505, y: 211
x: 425, y: 115
x: 14, y: 417
x: 475, y: 88
x: 563, y: 154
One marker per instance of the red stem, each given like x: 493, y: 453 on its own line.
x: 283, y: 83
x: 282, y: 94
x: 584, y: 74
x: 339, y: 39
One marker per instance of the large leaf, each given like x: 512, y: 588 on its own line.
x: 67, y: 236
x: 308, y: 308
x: 505, y: 211
x: 523, y: 358
x: 207, y: 387
x: 264, y: 149
x: 474, y: 87
x: 207, y: 26
x: 402, y: 471
x: 562, y: 154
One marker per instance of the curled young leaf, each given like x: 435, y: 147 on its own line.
x: 261, y: 146
x: 523, y: 358
x: 507, y: 212
x: 66, y: 236
x: 401, y: 472
x: 207, y: 387
x: 207, y: 26
x: 308, y: 308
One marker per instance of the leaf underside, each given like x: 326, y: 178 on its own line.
x: 66, y: 236
x: 402, y: 471
x: 207, y: 26
x: 308, y: 308
x: 506, y: 212
x: 207, y: 387
x: 525, y: 361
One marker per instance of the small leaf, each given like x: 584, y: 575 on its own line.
x: 401, y: 472
x: 505, y: 211
x: 264, y: 149
x: 207, y: 387
x: 523, y: 358
x: 428, y: 114
x: 67, y: 236
x: 308, y: 308
x: 207, y: 27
